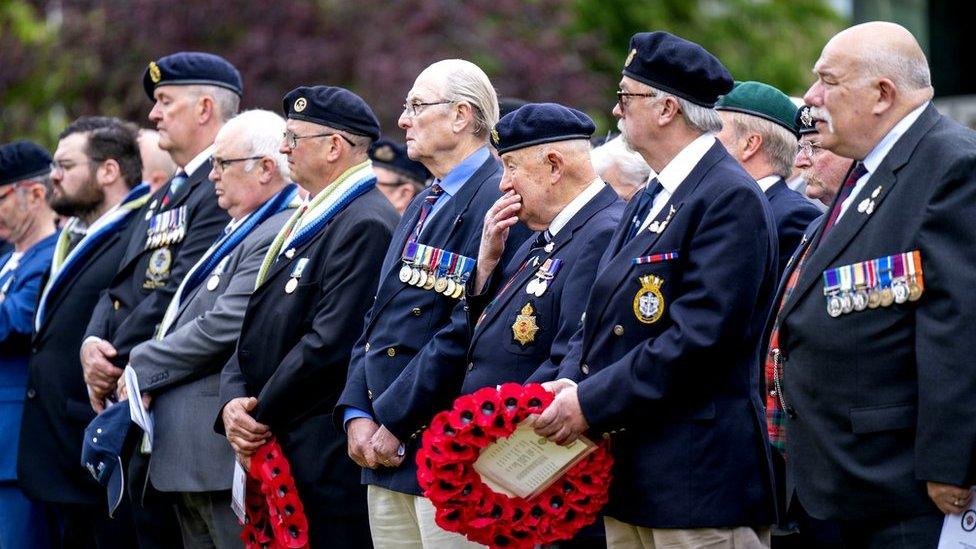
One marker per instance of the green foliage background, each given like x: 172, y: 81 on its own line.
x: 60, y: 59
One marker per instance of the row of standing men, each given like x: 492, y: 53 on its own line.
x: 247, y: 315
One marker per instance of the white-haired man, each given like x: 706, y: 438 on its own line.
x: 180, y: 368
x: 758, y: 130
x: 401, y: 372
x: 621, y: 167
x: 873, y: 338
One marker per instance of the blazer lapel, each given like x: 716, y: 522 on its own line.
x: 439, y: 232
x: 602, y: 200
x: 56, y: 298
x: 827, y: 249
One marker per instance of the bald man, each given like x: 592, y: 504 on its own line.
x: 872, y: 342
x: 157, y: 165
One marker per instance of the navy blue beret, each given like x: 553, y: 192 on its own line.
x: 334, y: 107
x: 393, y: 156
x: 190, y: 67
x: 101, y: 450
x: 537, y: 123
x: 676, y: 66
x: 804, y: 122
x: 22, y: 160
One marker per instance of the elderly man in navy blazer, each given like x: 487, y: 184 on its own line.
x: 666, y: 359
x: 403, y: 369
x: 759, y: 130
x: 872, y: 344
x: 522, y: 315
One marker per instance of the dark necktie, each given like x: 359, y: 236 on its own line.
x: 175, y: 185
x: 435, y: 192
x: 845, y: 191
x: 644, y: 202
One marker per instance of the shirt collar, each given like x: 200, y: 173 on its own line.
x: 575, y: 205
x: 881, y: 150
x: 456, y: 178
x: 766, y: 182
x: 198, y: 160
x: 681, y: 165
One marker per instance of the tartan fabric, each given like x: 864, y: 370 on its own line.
x: 775, y: 414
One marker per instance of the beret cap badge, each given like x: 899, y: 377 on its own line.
x: 630, y: 56
x: 300, y: 104
x: 154, y: 72
x: 494, y: 136
x: 384, y: 153
x: 805, y: 117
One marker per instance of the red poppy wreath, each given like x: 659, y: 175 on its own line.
x: 465, y: 504
x: 275, y: 515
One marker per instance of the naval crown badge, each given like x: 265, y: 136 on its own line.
x: 649, y: 301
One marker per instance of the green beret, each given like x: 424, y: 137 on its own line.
x: 760, y: 100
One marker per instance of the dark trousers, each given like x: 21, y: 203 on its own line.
x: 153, y: 512
x: 75, y: 526
x: 207, y: 520
x: 907, y: 533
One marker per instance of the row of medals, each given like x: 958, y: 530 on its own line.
x: 900, y: 291
x: 421, y: 278
x: 173, y: 229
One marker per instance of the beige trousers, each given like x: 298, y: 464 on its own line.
x: 404, y: 521
x: 621, y: 535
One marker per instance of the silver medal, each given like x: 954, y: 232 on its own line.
x: 213, y: 282
x: 291, y: 285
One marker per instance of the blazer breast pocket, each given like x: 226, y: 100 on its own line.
x: 530, y: 327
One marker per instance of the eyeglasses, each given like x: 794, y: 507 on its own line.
x: 59, y: 166
x: 809, y: 148
x: 220, y: 164
x: 413, y: 108
x: 291, y: 138
x: 622, y: 97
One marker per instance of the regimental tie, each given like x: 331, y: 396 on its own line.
x: 175, y: 185
x: 845, y: 191
x: 776, y: 408
x: 435, y: 192
x: 644, y: 203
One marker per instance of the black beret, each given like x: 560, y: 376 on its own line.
x: 804, y: 122
x: 334, y: 107
x: 393, y: 156
x: 676, y: 66
x: 537, y: 123
x: 191, y: 67
x: 22, y: 160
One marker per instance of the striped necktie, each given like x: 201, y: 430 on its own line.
x: 435, y: 192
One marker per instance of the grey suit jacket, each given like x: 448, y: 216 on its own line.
x: 182, y: 372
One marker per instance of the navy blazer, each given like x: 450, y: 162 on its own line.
x: 881, y: 399
x: 403, y: 367
x: 681, y: 393
x: 129, y: 312
x: 792, y: 214
x: 495, y: 356
x: 57, y: 410
x: 23, y: 285
x: 293, y: 355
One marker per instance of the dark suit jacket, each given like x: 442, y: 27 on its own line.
x: 793, y: 214
x: 882, y: 399
x: 495, y: 356
x: 57, y: 410
x: 410, y: 369
x: 127, y: 314
x: 293, y: 354
x: 682, y: 393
